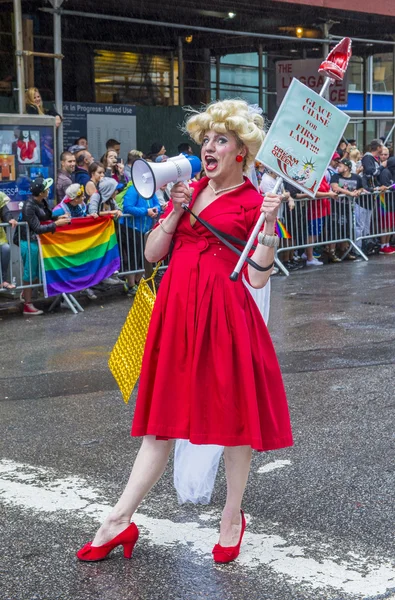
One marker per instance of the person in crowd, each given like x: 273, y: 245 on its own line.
x: 267, y: 184
x: 387, y: 218
x: 346, y: 183
x: 355, y: 157
x: 332, y: 167
x: 387, y: 175
x: 113, y: 144
x: 132, y: 156
x: 318, y: 209
x: 344, y: 149
x: 81, y: 174
x: 96, y: 173
x: 35, y: 210
x: 103, y: 202
x: 155, y: 150
x: 65, y: 174
x: 73, y: 203
x: 163, y: 194
x: 76, y: 149
x: 371, y: 165
x: 114, y: 167
x: 161, y: 158
x: 5, y: 250
x: 144, y: 213
x: 34, y: 105
x: 384, y: 156
x: 185, y: 148
x: 208, y: 326
x: 82, y: 141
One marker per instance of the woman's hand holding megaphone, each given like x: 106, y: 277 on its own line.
x: 180, y: 194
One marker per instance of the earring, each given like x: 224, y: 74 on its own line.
x: 239, y: 158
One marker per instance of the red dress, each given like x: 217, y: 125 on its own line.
x: 210, y: 372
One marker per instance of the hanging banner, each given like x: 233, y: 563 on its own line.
x: 302, y: 138
x: 307, y: 73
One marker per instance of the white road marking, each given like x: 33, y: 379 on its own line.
x: 272, y: 466
x: 41, y: 490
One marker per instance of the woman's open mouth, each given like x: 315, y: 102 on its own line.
x: 211, y: 163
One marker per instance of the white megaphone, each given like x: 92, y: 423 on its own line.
x: 150, y: 177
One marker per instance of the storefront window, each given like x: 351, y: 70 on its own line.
x: 239, y: 78
x: 355, y: 74
x: 382, y: 72
x: 133, y: 78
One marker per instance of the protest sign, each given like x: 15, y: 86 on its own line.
x: 302, y: 138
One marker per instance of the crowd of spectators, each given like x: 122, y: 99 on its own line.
x: 88, y: 187
x: 350, y: 174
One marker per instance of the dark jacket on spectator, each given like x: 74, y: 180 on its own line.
x: 371, y: 171
x: 33, y: 110
x: 34, y: 213
x: 387, y: 175
x: 62, y: 183
x: 81, y: 176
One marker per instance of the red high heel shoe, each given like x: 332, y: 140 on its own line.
x: 226, y: 554
x: 127, y: 538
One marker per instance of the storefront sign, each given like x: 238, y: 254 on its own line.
x: 307, y: 72
x: 98, y: 123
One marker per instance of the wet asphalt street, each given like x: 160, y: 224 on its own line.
x: 320, y: 514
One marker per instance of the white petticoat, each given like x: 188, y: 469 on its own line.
x: 196, y: 466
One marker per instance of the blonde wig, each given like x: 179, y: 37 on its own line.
x: 29, y: 98
x: 235, y: 116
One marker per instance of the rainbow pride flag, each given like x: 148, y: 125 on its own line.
x: 383, y: 204
x: 281, y: 231
x: 78, y: 255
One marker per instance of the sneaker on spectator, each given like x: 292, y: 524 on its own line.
x: 297, y: 264
x: 316, y: 254
x: 133, y: 290
x: 275, y: 270
x: 291, y: 266
x: 350, y: 256
x: 314, y: 263
x: 111, y: 281
x: 387, y: 250
x: 304, y: 256
x: 333, y: 258
x: 91, y: 294
x: 31, y: 311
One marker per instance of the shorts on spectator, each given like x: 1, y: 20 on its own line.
x: 315, y: 226
x: 29, y: 275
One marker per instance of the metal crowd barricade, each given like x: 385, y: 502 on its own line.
x: 321, y: 222
x: 374, y: 216
x: 15, y: 269
x: 131, y: 249
x: 348, y: 220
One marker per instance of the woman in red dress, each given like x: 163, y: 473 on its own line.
x: 209, y: 373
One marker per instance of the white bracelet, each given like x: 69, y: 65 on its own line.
x: 271, y: 241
